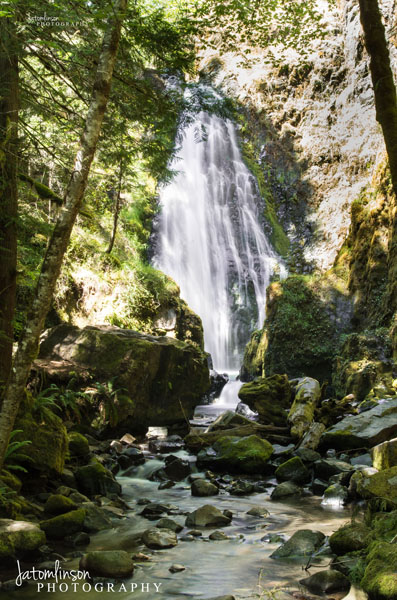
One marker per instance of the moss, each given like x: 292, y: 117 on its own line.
x: 11, y: 480
x: 78, y: 444
x: 246, y: 455
x: 350, y: 538
x: 380, y: 485
x: 269, y: 397
x: 57, y: 504
x: 65, y: 524
x: 380, y: 576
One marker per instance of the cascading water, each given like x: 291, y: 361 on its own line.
x: 210, y: 238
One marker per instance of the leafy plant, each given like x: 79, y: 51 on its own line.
x: 13, y: 453
x: 45, y: 405
x: 107, y: 394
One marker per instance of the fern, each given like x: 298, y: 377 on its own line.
x: 13, y: 453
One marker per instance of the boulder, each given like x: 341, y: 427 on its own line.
x: 78, y: 445
x: 227, y: 420
x: 380, y: 485
x: 350, y: 538
x: 159, y: 539
x: 167, y: 523
x: 303, y: 543
x: 258, y: 511
x: 94, y: 479
x: 293, y: 470
x: 270, y: 397
x: 107, y: 563
x: 242, y: 455
x: 380, y: 575
x: 218, y: 536
x: 326, y: 582
x: 202, y: 487
x: 175, y: 469
x: 384, y: 455
x: 327, y: 467
x: 285, y: 489
x: 335, y: 494
x: 173, y: 443
x: 301, y: 414
x: 62, y: 525
x: 19, y: 538
x: 364, y: 430
x: 95, y: 518
x: 312, y: 437
x: 207, y: 516
x: 195, y: 441
x: 57, y: 504
x: 163, y: 378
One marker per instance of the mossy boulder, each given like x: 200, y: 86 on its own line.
x: 57, y: 504
x: 62, y: 525
x: 350, y: 538
x: 163, y: 377
x: 107, y: 563
x: 19, y: 538
x: 380, y: 576
x: 270, y: 397
x: 254, y: 357
x: 78, y: 445
x: 384, y: 456
x: 301, y: 414
x: 95, y: 479
x: 382, y: 485
x: 293, y: 470
x: 242, y: 455
x: 10, y: 480
x: 302, y: 543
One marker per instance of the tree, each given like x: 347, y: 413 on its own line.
x: 8, y: 192
x: 28, y: 344
x: 382, y: 79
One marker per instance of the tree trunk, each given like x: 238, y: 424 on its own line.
x: 117, y: 206
x: 28, y: 345
x: 382, y: 79
x: 8, y: 192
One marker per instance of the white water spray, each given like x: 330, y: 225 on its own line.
x: 210, y: 239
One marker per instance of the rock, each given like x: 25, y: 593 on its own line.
x: 117, y: 446
x: 131, y: 457
x: 312, y: 437
x: 167, y: 523
x: 166, y: 485
x: 159, y: 539
x: 218, y: 536
x: 173, y: 443
x: 78, y: 445
x: 384, y: 456
x: 350, y: 538
x: 95, y: 518
x: 177, y: 568
x: 202, y: 487
x: 63, y: 525
x: 176, y: 468
x: 153, y: 511
x: 362, y: 459
x: 258, y: 511
x: 326, y: 467
x: 319, y: 487
x: 94, y: 479
x: 79, y: 539
x: 19, y: 538
x: 217, y: 383
x: 364, y: 430
x: 380, y: 580
x: 308, y: 455
x: 245, y: 411
x: 285, y: 489
x: 228, y: 420
x: 207, y: 516
x: 270, y: 397
x: 293, y: 470
x: 303, y: 543
x: 241, y: 488
x: 223, y: 598
x: 107, y: 563
x: 335, y: 494
x: 128, y: 439
x: 57, y: 504
x: 301, y: 414
x: 164, y: 378
x: 380, y: 485
x: 242, y: 455
x: 326, y: 582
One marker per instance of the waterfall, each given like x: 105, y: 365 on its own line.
x: 210, y: 238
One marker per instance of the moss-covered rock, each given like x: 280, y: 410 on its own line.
x: 350, y: 538
x: 164, y: 378
x: 107, y: 563
x: 66, y: 524
x: 380, y: 576
x: 10, y: 480
x: 382, y: 485
x: 293, y: 470
x: 384, y: 456
x: 18, y: 538
x: 244, y: 455
x: 270, y: 397
x: 57, y: 504
x: 78, y: 445
x: 302, y: 543
x: 254, y: 357
x: 301, y: 414
x: 95, y: 479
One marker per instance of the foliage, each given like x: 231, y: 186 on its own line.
x: 108, y: 395
x: 13, y: 455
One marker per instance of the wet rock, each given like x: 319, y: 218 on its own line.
x: 153, y: 511
x: 130, y: 457
x: 350, y: 538
x: 293, y: 470
x: 319, y: 487
x: 301, y: 414
x: 187, y: 538
x: 202, y: 487
x: 326, y: 582
x: 78, y: 445
x: 217, y: 383
x: 362, y: 459
x: 270, y: 397
x: 223, y: 598
x: 384, y: 456
x: 18, y: 538
x: 311, y: 439
x: 117, y: 446
x: 227, y: 420
x: 303, y: 543
x: 94, y: 479
x: 95, y: 518
x: 258, y: 511
x: 380, y: 579
x: 167, y: 523
x: 335, y: 494
x: 78, y: 539
x: 207, y: 516
x: 218, y: 536
x: 245, y: 411
x: 127, y: 439
x: 175, y: 469
x: 195, y: 533
x: 63, y: 525
x: 177, y: 568
x: 166, y: 485
x: 325, y: 468
x: 307, y: 455
x: 241, y: 454
x: 57, y: 504
x: 285, y: 489
x: 382, y: 484
x: 273, y: 538
x: 159, y: 539
x: 241, y: 488
x: 364, y: 430
x: 173, y: 443
x: 107, y: 563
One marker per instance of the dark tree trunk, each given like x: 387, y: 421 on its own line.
x: 8, y: 192
x: 382, y: 79
x: 28, y: 344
